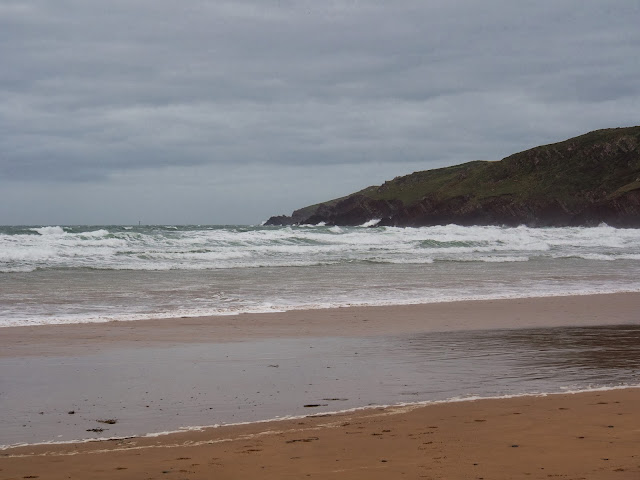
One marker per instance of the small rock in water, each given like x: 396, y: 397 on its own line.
x: 109, y: 421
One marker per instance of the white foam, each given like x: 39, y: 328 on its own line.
x: 608, y: 258
x: 96, y: 233
x: 172, y: 248
x: 403, y: 261
x: 371, y: 223
x: 494, y: 259
x: 49, y: 230
x: 16, y: 319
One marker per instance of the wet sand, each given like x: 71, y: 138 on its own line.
x: 588, y: 435
x: 75, y: 339
x: 159, y: 389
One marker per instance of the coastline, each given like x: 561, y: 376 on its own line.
x: 583, y: 435
x: 529, y: 312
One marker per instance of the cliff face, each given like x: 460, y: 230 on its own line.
x: 585, y: 180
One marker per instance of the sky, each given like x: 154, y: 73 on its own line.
x: 228, y: 112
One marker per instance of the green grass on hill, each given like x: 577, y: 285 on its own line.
x: 601, y: 163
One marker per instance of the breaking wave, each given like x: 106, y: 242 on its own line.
x: 197, y: 248
x: 71, y: 274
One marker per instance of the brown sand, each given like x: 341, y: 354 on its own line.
x: 75, y: 339
x: 583, y: 436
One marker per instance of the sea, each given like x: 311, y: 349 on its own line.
x: 75, y: 274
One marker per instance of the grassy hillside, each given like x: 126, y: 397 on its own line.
x: 592, y: 164
x: 582, y: 180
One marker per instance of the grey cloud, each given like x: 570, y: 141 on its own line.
x: 92, y: 90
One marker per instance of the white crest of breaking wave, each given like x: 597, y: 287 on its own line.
x: 172, y: 247
x: 371, y: 223
x: 49, y: 230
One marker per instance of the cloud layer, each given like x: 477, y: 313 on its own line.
x: 303, y: 97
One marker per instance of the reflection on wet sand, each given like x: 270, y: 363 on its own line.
x: 157, y: 389
x: 598, y: 348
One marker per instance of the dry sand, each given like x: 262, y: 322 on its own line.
x: 582, y: 436
x: 75, y: 339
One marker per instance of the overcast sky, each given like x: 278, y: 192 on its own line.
x: 231, y: 111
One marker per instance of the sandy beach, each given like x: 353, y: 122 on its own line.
x: 587, y: 436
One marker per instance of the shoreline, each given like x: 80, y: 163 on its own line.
x: 528, y: 312
x: 354, y: 410
x: 589, y: 434
x: 319, y: 307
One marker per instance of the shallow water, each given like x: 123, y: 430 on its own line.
x: 160, y: 389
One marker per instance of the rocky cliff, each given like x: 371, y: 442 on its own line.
x: 585, y: 180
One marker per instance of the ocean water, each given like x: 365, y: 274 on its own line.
x: 71, y: 274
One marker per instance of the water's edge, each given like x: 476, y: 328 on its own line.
x: 408, y: 405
